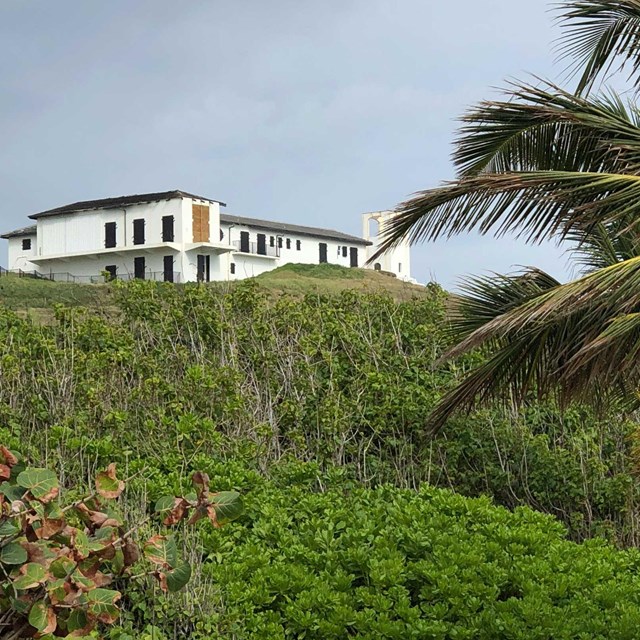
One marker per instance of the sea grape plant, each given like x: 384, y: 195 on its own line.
x: 59, y: 563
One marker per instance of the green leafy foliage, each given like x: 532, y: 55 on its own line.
x: 54, y: 571
x: 389, y: 563
x: 281, y: 400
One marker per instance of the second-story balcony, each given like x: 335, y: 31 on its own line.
x: 256, y: 248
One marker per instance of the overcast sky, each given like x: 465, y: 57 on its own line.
x: 299, y: 111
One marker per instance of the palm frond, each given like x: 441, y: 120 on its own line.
x: 577, y: 341
x: 545, y: 128
x: 597, y: 34
x: 535, y: 205
x: 543, y: 164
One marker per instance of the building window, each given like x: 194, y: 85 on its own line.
x: 112, y: 271
x: 109, y: 234
x: 322, y: 246
x: 280, y: 242
x: 26, y: 244
x: 377, y: 266
x: 167, y: 229
x: 221, y: 235
x: 139, y: 267
x: 298, y: 245
x: 288, y: 243
x: 138, y: 231
x: 344, y: 252
x: 272, y: 241
x: 232, y: 268
x: 339, y: 251
x: 399, y: 267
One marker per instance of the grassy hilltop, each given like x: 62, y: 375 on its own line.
x: 29, y: 294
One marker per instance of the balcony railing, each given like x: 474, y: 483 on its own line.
x: 252, y: 247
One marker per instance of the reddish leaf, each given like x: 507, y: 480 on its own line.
x: 107, y: 484
x: 177, y: 513
x: 199, y: 513
x: 211, y: 513
x: 49, y: 528
x: 130, y: 552
x: 162, y: 579
x: 201, y: 483
x: 40, y: 553
x: 5, y: 472
x: 8, y: 457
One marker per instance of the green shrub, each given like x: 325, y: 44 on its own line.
x: 389, y: 563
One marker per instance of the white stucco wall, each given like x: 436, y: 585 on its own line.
x: 309, y: 252
x: 91, y: 266
x: 84, y: 231
x: 17, y: 257
x: 396, y: 260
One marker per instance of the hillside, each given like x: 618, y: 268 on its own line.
x: 34, y: 297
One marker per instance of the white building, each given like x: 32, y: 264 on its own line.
x: 174, y: 236
x: 396, y: 261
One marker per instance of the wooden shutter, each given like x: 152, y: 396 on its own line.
x: 200, y: 213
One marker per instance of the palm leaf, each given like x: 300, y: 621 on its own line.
x: 577, y: 341
x: 535, y: 205
x: 599, y: 33
x: 544, y: 164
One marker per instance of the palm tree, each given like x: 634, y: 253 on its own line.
x: 545, y: 163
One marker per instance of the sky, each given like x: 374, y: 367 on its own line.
x: 302, y: 112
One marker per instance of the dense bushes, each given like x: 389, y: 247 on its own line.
x: 344, y: 381
x: 284, y: 399
x: 389, y: 563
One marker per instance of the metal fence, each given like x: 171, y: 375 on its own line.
x: 156, y: 276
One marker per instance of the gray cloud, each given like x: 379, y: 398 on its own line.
x: 301, y: 111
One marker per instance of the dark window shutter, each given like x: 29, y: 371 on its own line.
x: 109, y: 234
x: 353, y: 256
x: 232, y: 267
x: 288, y: 243
x: 244, y: 241
x: 344, y: 252
x: 138, y: 231
x: 280, y: 242
x: 139, y: 267
x: 298, y: 245
x: 272, y: 241
x: 167, y: 264
x: 323, y: 252
x: 262, y: 244
x: 26, y: 244
x: 167, y: 229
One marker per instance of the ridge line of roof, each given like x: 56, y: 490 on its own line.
x: 292, y: 227
x: 86, y: 205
